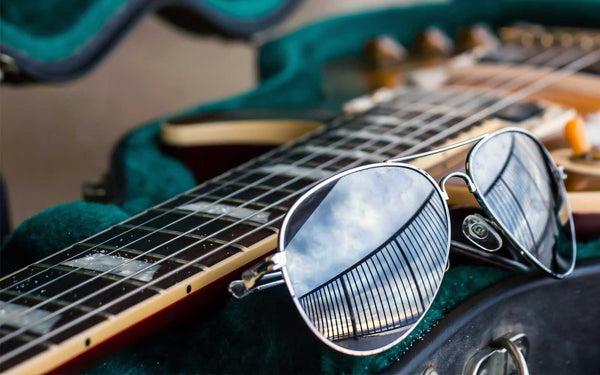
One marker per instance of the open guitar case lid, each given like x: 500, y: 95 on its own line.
x: 58, y: 40
x: 263, y: 333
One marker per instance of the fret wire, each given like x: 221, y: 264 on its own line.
x: 196, y: 236
x: 133, y: 252
x: 139, y: 252
x: 142, y: 237
x: 365, y: 134
x: 260, y: 204
x: 167, y: 231
x: 82, y: 308
x: 178, y: 234
x: 262, y: 187
x: 108, y: 276
x: 26, y: 337
x: 182, y: 218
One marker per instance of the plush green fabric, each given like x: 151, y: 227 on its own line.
x: 51, y: 30
x: 56, y: 228
x: 263, y: 333
x: 156, y: 176
x: 244, y: 10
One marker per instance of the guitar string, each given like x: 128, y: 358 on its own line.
x: 465, y: 122
x: 124, y: 246
x: 227, y: 183
x: 135, y: 258
x: 519, y: 95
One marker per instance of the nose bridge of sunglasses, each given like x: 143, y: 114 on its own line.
x: 465, y: 177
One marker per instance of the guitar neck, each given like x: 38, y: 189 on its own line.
x: 61, y: 306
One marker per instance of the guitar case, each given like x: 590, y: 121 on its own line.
x: 58, y: 40
x: 476, y: 305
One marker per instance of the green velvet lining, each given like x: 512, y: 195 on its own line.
x: 53, y: 30
x: 156, y: 176
x: 56, y: 228
x: 243, y: 9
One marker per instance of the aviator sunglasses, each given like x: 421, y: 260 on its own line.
x: 363, y: 253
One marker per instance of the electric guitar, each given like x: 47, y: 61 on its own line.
x: 67, y: 304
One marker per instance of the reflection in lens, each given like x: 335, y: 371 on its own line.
x: 518, y: 186
x: 365, y: 255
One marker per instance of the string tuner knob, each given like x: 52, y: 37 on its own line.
x: 384, y: 51
x: 433, y: 43
x: 478, y: 36
x: 578, y: 138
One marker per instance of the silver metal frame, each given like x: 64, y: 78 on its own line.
x: 284, y: 270
x: 279, y: 258
x: 473, y: 188
x: 486, y: 208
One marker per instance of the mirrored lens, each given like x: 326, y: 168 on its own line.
x: 365, y: 255
x: 518, y: 185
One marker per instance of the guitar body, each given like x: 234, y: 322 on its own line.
x: 296, y: 97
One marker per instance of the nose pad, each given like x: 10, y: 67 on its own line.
x: 481, y: 233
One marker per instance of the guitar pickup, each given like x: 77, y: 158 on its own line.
x: 519, y: 112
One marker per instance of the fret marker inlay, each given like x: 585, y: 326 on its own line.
x: 294, y: 171
x: 104, y: 262
x: 224, y: 209
x: 16, y: 316
x: 357, y: 154
x: 365, y: 134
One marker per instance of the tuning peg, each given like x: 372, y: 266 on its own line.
x: 577, y: 137
x: 433, y: 43
x: 384, y: 51
x: 477, y: 37
x: 581, y: 161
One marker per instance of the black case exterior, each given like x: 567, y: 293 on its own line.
x: 559, y: 318
x: 194, y: 15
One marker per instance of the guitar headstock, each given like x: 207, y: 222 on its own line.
x: 433, y: 59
